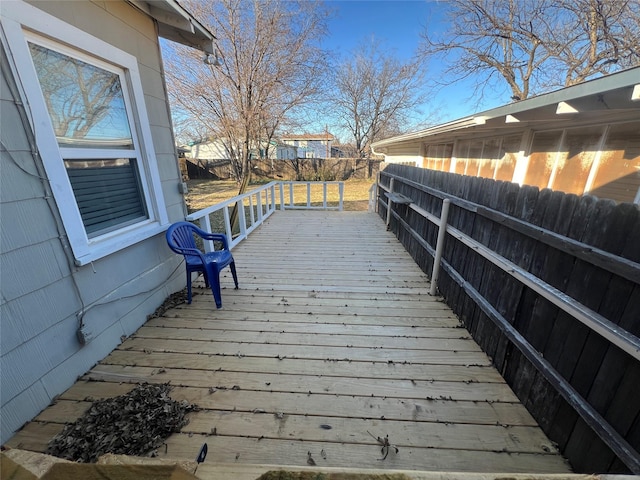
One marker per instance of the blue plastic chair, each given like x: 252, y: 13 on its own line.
x: 180, y: 238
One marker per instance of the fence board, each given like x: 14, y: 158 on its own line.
x: 587, y: 248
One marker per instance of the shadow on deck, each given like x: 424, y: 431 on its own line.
x: 331, y: 341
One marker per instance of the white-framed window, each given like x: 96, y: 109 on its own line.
x: 92, y: 132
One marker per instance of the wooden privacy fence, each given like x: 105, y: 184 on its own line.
x: 549, y: 286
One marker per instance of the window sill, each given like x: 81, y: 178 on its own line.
x: 104, y: 247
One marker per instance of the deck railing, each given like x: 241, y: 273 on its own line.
x: 258, y: 204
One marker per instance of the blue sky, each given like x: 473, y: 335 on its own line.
x: 398, y: 25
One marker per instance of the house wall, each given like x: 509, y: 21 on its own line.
x: 309, y: 148
x: 215, y: 150
x: 286, y: 152
x: 406, y: 153
x: 44, y: 294
x: 207, y: 151
x: 600, y: 159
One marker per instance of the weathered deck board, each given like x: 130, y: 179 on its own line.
x: 318, y: 352
x: 370, y: 330
x: 304, y: 383
x: 332, y: 326
x: 317, y: 339
x: 376, y: 370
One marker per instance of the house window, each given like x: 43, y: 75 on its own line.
x: 87, y: 111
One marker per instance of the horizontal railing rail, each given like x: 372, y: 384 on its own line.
x: 256, y: 206
x: 596, y: 322
x: 407, y: 203
x: 290, y: 190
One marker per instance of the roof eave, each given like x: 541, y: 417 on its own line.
x: 560, y: 100
x: 177, y: 24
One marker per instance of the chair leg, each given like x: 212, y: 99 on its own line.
x: 233, y: 272
x: 215, y: 289
x: 188, y: 286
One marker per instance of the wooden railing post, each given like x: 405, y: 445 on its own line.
x: 389, y: 203
x: 377, y: 193
x: 291, y: 203
x: 324, y: 195
x: 205, y: 224
x: 442, y: 231
x: 281, y: 195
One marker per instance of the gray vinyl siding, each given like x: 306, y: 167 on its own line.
x: 43, y: 292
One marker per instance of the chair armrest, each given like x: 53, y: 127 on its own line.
x: 189, y: 251
x: 216, y: 237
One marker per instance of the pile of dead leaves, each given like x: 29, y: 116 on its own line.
x: 170, y: 302
x: 136, y: 423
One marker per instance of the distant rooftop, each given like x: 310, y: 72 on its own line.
x: 309, y: 136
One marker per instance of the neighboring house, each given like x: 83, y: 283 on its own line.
x: 286, y: 152
x: 581, y: 139
x: 343, y: 151
x: 89, y: 184
x: 310, y: 145
x: 206, y: 150
x: 213, y: 149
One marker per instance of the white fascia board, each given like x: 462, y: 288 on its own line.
x: 613, y: 81
x: 445, y: 127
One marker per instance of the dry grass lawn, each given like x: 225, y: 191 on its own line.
x: 204, y: 193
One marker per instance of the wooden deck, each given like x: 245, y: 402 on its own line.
x: 331, y: 341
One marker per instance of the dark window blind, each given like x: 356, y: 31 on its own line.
x: 108, y: 196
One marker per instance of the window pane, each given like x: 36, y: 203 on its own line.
x: 85, y: 102
x: 108, y: 193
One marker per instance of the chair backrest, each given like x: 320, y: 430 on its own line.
x: 180, y: 239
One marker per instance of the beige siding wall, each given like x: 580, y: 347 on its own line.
x: 603, y: 160
x: 44, y: 294
x: 405, y: 153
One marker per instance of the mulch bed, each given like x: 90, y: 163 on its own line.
x: 136, y: 423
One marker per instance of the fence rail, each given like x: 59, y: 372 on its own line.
x: 548, y: 284
x: 256, y: 206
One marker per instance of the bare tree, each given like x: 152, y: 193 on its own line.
x: 600, y: 36
x: 534, y: 45
x: 491, y: 40
x: 374, y: 94
x: 269, y: 65
x: 80, y: 97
